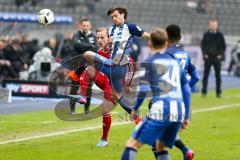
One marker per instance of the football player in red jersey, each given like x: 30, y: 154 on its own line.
x: 102, y: 81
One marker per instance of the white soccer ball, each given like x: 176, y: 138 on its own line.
x: 45, y: 17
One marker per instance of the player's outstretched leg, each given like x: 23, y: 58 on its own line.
x: 92, y: 58
x: 89, y: 56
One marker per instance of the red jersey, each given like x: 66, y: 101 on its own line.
x: 106, y: 54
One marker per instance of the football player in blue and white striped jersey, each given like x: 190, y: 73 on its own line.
x: 121, y: 34
x: 169, y: 86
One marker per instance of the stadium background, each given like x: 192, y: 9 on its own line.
x: 191, y: 15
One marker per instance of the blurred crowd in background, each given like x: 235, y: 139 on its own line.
x: 26, y: 59
x: 18, y: 53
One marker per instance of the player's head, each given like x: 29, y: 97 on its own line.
x: 174, y: 33
x: 16, y: 41
x: 158, y: 39
x: 25, y: 38
x: 118, y: 14
x: 85, y: 25
x: 102, y: 37
x: 213, y: 25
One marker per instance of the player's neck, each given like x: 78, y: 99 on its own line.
x: 118, y: 25
x: 170, y: 43
x: 105, y: 49
x: 160, y: 50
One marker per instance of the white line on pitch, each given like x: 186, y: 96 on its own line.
x: 98, y: 127
x: 27, y: 122
x: 217, y: 108
x: 59, y: 133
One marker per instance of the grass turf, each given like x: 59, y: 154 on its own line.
x: 213, y: 135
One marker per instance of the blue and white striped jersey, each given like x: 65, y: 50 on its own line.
x: 122, y: 41
x: 166, y: 79
x: 181, y: 55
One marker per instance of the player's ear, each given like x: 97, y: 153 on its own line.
x: 149, y: 44
x: 122, y: 15
x: 166, y: 44
x: 180, y: 38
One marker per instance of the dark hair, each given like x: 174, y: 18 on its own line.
x: 158, y: 37
x: 174, y: 32
x: 16, y: 41
x: 120, y: 9
x: 84, y: 19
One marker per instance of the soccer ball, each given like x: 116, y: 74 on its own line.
x: 45, y: 17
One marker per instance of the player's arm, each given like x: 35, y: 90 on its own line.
x: 137, y: 31
x: 142, y: 93
x: 192, y: 71
x: 186, y: 93
x: 146, y: 35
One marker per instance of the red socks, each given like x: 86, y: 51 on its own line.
x: 102, y: 82
x: 107, y: 120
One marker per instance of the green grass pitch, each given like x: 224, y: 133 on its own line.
x: 213, y: 135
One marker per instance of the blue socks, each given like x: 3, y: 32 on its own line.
x: 124, y: 105
x: 129, y: 154
x: 163, y: 155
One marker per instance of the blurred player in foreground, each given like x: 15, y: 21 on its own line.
x: 167, y: 110
x: 174, y: 36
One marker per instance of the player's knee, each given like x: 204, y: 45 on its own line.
x: 106, y: 113
x: 160, y: 147
x: 133, y: 143
x: 88, y: 55
x: 109, y: 97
